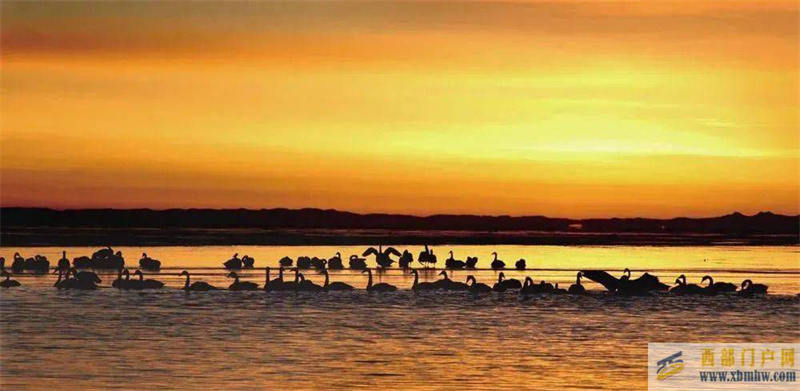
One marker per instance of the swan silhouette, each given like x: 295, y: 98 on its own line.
x: 682, y: 288
x: 382, y: 257
x: 278, y: 284
x: 18, y: 264
x: 286, y: 262
x: 60, y: 273
x: 241, y: 285
x: 303, y: 263
x: 497, y: 264
x: 199, y: 286
x: 335, y: 286
x: 319, y: 263
x: 335, y: 262
x: 81, y: 280
x: 558, y: 291
x: 503, y: 285
x: 421, y: 286
x: 357, y: 263
x: 248, y: 262
x: 121, y: 283
x: 8, y: 282
x: 380, y: 287
x: 63, y: 263
x: 452, y: 263
x: 749, y: 289
x: 301, y: 284
x: 148, y: 263
x: 147, y: 284
x: 427, y: 258
x: 520, y: 265
x: 530, y: 287
x: 82, y: 262
x: 471, y: 262
x: 719, y: 287
x: 624, y: 285
x: 234, y: 263
x: 38, y: 264
x: 405, y: 260
x: 577, y: 288
x: 445, y: 283
x: 107, y: 259
x: 477, y: 287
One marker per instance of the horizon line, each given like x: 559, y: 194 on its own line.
x: 395, y: 214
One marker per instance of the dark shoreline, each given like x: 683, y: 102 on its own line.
x: 40, y: 237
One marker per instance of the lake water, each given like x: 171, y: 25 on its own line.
x: 51, y: 339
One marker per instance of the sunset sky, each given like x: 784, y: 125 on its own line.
x: 570, y: 109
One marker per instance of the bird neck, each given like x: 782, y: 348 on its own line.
x: 186, y: 286
x: 327, y: 280
x: 416, y: 280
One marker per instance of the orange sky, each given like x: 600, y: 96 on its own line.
x: 564, y: 109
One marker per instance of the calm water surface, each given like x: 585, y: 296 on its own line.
x: 169, y: 339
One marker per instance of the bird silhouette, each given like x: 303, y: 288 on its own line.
x: 529, y: 287
x: 380, y: 287
x: 81, y: 280
x: 148, y: 263
x: 82, y: 262
x: 503, y: 285
x: 427, y: 258
x: 335, y: 262
x: 301, y: 284
x: 558, y: 291
x: 577, y: 288
x: 18, y: 264
x: 421, y: 286
x: 719, y: 287
x: 241, y: 285
x: 452, y: 263
x: 749, y: 289
x: 335, y: 286
x: 147, y: 284
x: 8, y: 282
x: 497, y: 264
x: 405, y: 260
x: 477, y: 287
x: 445, y: 283
x: 471, y: 262
x: 682, y: 288
x: 197, y: 286
x: 520, y: 265
x: 121, y: 283
x: 234, y: 263
x: 357, y: 263
x: 248, y: 262
x: 286, y: 262
x: 278, y: 284
x: 382, y: 257
x: 624, y: 285
x: 303, y: 263
x: 63, y: 263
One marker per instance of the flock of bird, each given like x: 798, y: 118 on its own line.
x: 69, y: 277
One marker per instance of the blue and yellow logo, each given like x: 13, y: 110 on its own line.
x: 669, y: 366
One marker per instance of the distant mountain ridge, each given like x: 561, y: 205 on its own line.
x: 281, y: 218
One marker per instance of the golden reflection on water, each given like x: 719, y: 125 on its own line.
x: 66, y: 340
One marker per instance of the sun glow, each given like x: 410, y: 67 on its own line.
x: 660, y: 110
